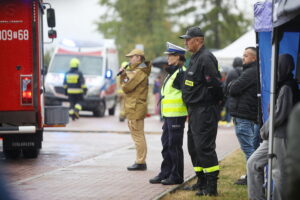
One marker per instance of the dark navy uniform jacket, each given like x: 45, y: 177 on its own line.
x: 202, y: 80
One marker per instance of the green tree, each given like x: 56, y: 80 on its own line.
x: 132, y: 22
x: 153, y: 22
x: 221, y: 20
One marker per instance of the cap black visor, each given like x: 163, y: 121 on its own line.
x: 185, y: 37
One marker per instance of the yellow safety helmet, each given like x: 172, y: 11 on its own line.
x: 74, y: 63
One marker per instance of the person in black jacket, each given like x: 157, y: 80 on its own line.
x: 233, y: 74
x: 75, y: 88
x: 244, y: 106
x: 201, y: 93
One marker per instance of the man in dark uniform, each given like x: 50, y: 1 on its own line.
x: 75, y: 88
x: 202, y: 93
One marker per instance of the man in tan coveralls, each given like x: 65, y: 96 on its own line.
x: 134, y: 83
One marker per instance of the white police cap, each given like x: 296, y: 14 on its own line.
x: 174, y: 49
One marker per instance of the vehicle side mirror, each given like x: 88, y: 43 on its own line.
x: 108, y: 74
x: 52, y: 34
x: 51, y: 17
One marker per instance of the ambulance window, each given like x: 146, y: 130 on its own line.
x: 60, y: 63
x: 89, y: 65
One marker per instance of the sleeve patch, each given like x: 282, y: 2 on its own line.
x: 189, y: 83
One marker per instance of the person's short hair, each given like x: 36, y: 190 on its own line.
x: 252, y: 49
x: 182, y: 58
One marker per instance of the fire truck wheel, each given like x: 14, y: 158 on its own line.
x: 100, y: 109
x: 31, y: 153
x: 12, y: 153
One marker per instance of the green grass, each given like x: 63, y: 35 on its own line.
x: 232, y: 167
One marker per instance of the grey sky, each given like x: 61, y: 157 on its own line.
x: 75, y: 19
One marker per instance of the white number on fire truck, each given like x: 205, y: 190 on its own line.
x: 11, y: 35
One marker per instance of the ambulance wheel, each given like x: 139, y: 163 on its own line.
x: 12, y: 153
x: 100, y: 109
x: 112, y: 110
x: 31, y: 153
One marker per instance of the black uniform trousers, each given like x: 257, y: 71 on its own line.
x: 172, y: 153
x: 75, y: 99
x: 202, y: 133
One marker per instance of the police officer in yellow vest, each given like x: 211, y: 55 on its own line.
x: 174, y: 112
x: 75, y: 88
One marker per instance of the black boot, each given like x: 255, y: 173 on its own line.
x: 199, y: 185
x: 211, y: 188
x: 72, y: 117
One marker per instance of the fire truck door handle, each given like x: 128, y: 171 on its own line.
x: 18, y: 67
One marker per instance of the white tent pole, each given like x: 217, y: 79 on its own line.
x: 272, y: 108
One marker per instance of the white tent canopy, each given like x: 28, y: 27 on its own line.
x: 225, y: 56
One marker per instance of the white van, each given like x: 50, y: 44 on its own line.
x: 99, y: 65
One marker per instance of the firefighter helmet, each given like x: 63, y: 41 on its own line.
x: 74, y: 63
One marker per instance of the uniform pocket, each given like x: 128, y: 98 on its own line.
x: 130, y: 104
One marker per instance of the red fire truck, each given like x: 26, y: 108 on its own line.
x: 22, y: 112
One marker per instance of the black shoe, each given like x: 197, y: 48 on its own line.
x: 241, y: 181
x: 171, y: 182
x: 137, y: 167
x: 156, y: 179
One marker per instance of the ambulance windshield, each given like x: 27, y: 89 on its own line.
x: 89, y: 65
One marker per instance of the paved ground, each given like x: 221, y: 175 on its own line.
x: 89, y: 159
x: 108, y: 124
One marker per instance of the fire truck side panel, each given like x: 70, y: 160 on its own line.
x: 16, y: 52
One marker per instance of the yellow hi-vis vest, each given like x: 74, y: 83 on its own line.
x: 172, y: 104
